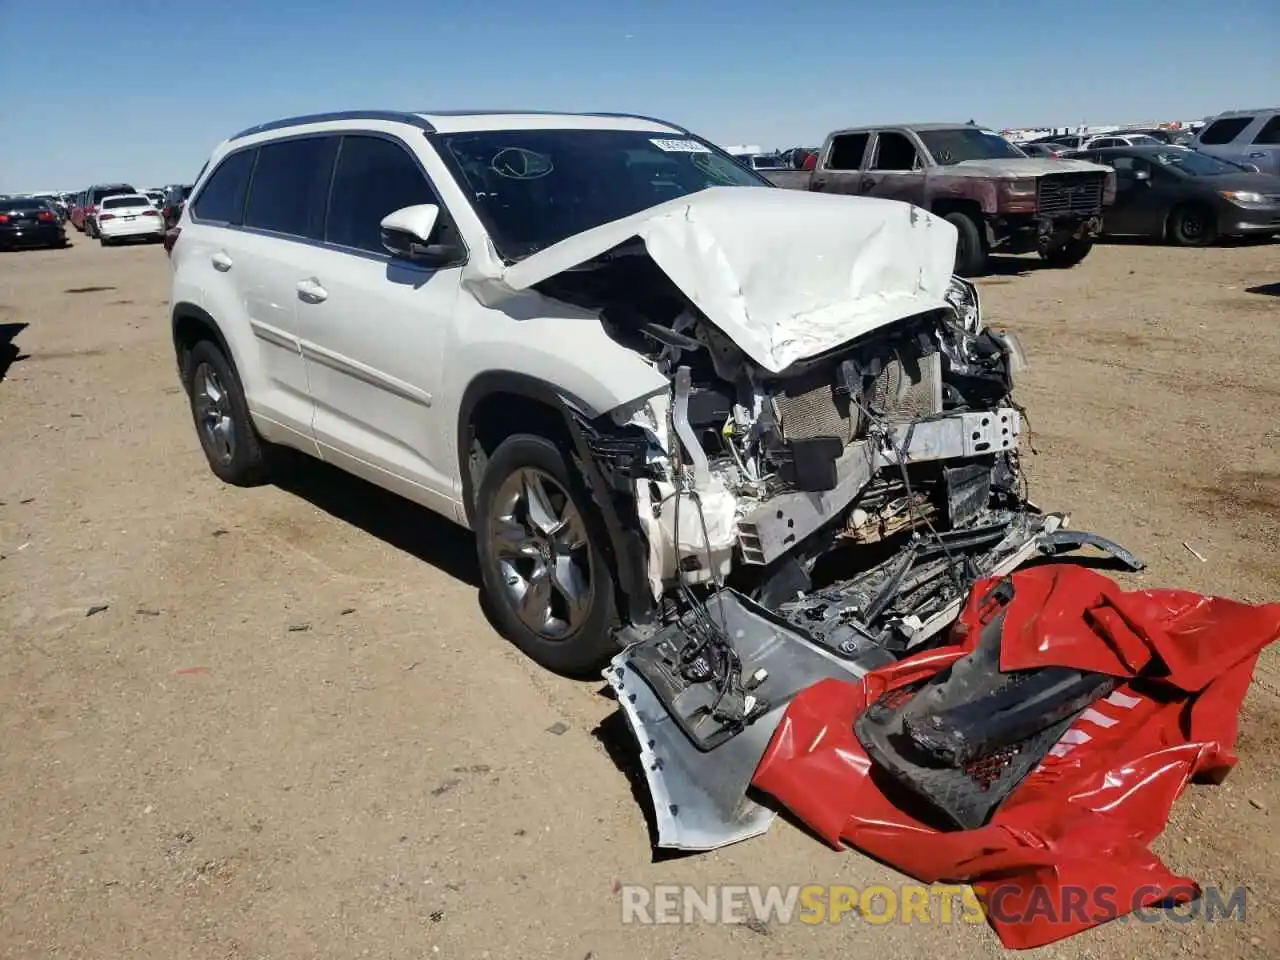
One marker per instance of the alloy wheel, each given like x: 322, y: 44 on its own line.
x: 539, y: 542
x: 213, y: 414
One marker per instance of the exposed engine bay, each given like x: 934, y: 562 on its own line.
x: 817, y: 520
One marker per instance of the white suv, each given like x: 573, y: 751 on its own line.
x: 641, y: 373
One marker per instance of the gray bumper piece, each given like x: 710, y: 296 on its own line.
x: 1060, y: 541
x: 700, y: 799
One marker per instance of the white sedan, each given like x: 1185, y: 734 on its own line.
x: 128, y: 216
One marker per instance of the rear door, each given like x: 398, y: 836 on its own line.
x: 283, y: 224
x: 374, y: 327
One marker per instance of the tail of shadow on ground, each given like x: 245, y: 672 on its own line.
x: 9, y: 353
x: 404, y: 525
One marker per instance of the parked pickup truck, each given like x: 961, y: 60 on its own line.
x: 995, y: 195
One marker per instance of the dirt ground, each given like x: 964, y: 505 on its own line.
x: 275, y: 723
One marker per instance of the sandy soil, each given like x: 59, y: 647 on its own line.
x: 274, y: 723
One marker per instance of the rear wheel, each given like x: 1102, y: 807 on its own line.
x: 971, y: 249
x: 1192, y: 226
x: 545, y: 574
x: 232, y: 446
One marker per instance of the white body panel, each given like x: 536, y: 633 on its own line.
x: 364, y: 360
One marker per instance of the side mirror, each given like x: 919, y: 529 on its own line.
x: 407, y: 233
x: 1142, y: 175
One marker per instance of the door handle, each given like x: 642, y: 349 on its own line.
x: 221, y: 261
x: 1257, y: 155
x: 310, y: 291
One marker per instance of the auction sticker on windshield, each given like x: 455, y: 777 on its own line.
x: 680, y: 146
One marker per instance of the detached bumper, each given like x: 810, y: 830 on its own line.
x: 700, y: 745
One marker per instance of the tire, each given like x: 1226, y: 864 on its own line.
x: 1192, y: 226
x: 1070, y: 253
x: 558, y: 556
x: 971, y: 249
x: 236, y: 454
x: 103, y: 241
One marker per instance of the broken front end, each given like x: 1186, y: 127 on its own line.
x: 816, y: 522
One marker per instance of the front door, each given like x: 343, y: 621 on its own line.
x: 1142, y: 198
x: 895, y: 171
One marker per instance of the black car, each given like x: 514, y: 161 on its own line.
x: 1186, y: 197
x: 29, y: 222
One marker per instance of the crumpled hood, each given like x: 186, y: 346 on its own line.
x: 785, y: 274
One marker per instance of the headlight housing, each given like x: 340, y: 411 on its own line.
x: 1020, y: 188
x: 963, y: 297
x: 1243, y: 196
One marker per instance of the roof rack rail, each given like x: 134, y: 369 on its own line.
x: 637, y: 116
x: 397, y: 116
x: 492, y: 112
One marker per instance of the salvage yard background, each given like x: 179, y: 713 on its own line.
x: 275, y: 722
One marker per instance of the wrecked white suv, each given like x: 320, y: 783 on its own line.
x: 644, y: 376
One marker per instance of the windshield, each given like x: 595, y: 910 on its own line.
x: 112, y: 202
x: 533, y: 188
x: 968, y: 143
x: 1194, y: 164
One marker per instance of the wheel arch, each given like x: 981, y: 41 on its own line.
x: 190, y: 324
x: 486, y: 415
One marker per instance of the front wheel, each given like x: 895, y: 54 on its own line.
x: 545, y: 574
x: 971, y: 248
x: 1069, y: 253
x: 1192, y: 226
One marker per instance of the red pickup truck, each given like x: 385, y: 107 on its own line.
x: 997, y: 197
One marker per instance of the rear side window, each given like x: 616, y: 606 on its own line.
x: 1224, y: 130
x: 1270, y: 132
x: 847, y: 150
x: 221, y: 199
x: 290, y: 181
x: 374, y: 177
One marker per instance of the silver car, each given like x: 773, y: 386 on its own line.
x: 1246, y: 137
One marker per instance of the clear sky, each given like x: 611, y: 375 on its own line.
x: 141, y: 90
